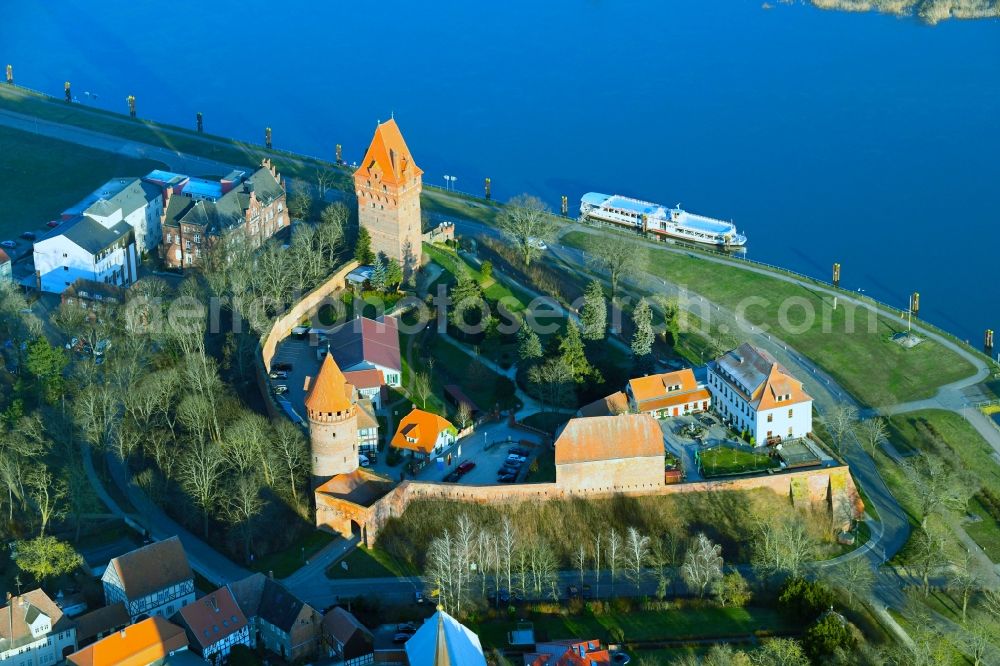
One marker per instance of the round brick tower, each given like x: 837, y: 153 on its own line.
x: 332, y: 410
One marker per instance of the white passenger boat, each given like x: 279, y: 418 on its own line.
x: 653, y: 218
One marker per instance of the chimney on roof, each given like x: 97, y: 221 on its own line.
x: 122, y: 633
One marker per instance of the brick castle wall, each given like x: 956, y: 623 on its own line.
x: 818, y: 488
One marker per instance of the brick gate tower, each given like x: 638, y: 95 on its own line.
x: 388, y: 186
x: 332, y: 410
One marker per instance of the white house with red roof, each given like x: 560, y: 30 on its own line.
x: 758, y: 395
x: 669, y: 394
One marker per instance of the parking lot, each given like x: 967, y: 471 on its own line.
x: 301, y: 354
x: 487, y: 447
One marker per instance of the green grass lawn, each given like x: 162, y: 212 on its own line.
x: 369, y: 563
x: 666, y: 625
x: 286, y: 562
x: 948, y: 434
x: 41, y: 177
x: 870, y: 366
x: 722, y: 460
x: 156, y: 134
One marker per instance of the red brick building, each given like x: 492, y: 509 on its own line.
x: 388, y: 185
x: 198, y: 212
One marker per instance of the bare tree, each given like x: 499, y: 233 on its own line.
x: 242, y: 504
x: 781, y: 546
x: 616, y: 546
x: 856, y: 577
x: 290, y: 446
x: 324, y: 179
x: 463, y: 415
x: 201, y: 470
x: 991, y: 604
x: 596, y: 552
x: 527, y: 223
x: 422, y: 387
x: 978, y: 641
x: 702, y: 568
x: 508, y: 546
x: 580, y: 559
x: 872, y: 431
x: 936, y: 487
x: 299, y: 202
x: 928, y: 555
x: 618, y: 257
x: 840, y: 422
x: 47, y: 494
x: 637, y: 554
x: 332, y: 229
x: 554, y: 381
x: 963, y: 579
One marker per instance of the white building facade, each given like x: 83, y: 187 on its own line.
x: 33, y: 631
x: 757, y: 396
x: 82, y: 248
x: 131, y: 200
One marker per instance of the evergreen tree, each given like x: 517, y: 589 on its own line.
x: 642, y: 338
x: 393, y: 274
x: 529, y: 345
x: 594, y: 314
x: 377, y: 280
x: 466, y: 294
x: 572, y: 352
x: 363, y: 248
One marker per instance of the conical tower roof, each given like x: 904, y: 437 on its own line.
x: 444, y: 641
x: 330, y: 392
x: 389, y: 154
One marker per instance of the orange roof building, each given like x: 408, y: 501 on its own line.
x: 388, y: 185
x: 569, y: 653
x: 611, y: 454
x: 758, y: 396
x: 668, y: 394
x: 147, y: 642
x: 332, y: 409
x: 424, y: 433
x: 609, y: 405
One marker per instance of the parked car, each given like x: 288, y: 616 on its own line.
x: 620, y: 658
x: 465, y: 467
x: 418, y: 596
x: 400, y: 637
x: 519, y: 451
x: 363, y: 460
x: 278, y: 374
x: 516, y: 458
x: 287, y: 367
x: 53, y: 224
x: 507, y: 478
x: 29, y: 235
x: 280, y: 389
x: 453, y: 476
x: 572, y: 592
x: 8, y: 244
x: 406, y: 628
x: 513, y: 464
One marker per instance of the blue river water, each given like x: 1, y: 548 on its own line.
x: 826, y: 136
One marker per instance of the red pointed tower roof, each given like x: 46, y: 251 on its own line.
x: 330, y: 393
x: 389, y: 156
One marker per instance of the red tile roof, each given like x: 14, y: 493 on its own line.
x: 364, y: 379
x: 139, y: 644
x: 4, y: 258
x: 609, y: 438
x: 152, y: 568
x: 329, y: 392
x: 213, y: 617
x: 388, y: 156
x: 423, y: 428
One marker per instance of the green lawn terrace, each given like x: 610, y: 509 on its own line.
x: 725, y: 460
x: 866, y: 362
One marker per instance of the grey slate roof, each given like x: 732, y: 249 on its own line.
x: 126, y: 194
x: 260, y: 596
x: 89, y: 234
x: 748, y: 365
x: 229, y: 211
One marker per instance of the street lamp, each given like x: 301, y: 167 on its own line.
x: 449, y: 182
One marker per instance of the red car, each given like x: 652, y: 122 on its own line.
x: 465, y: 467
x: 52, y: 225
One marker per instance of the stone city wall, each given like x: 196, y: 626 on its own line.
x: 821, y: 488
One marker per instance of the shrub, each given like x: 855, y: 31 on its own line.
x: 805, y: 599
x: 828, y: 634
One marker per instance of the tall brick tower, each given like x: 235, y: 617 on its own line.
x: 388, y: 187
x: 332, y: 409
